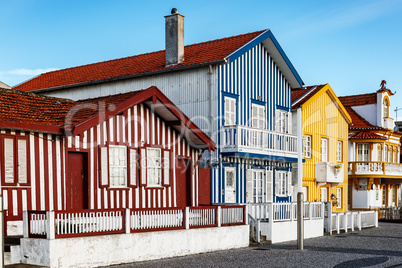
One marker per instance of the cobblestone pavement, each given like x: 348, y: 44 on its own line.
x: 373, y: 247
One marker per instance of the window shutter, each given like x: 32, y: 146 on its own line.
x: 277, y: 121
x: 103, y: 166
x: 276, y: 183
x: 166, y: 164
x: 290, y: 126
x: 268, y: 177
x: 132, y: 167
x: 8, y: 160
x: 22, y: 161
x: 289, y: 181
x: 233, y: 111
x: 249, y: 185
x: 143, y: 167
x: 254, y: 116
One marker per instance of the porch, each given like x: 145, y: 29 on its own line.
x: 252, y: 140
x: 106, y: 237
x: 278, y: 221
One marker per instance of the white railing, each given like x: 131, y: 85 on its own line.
x: 255, y: 227
x: 283, y: 211
x: 259, y: 211
x: 349, y: 220
x: 375, y: 168
x: 156, y: 219
x: 230, y: 215
x: 57, y: 224
x: 390, y: 213
x: 88, y: 222
x: 202, y: 216
x: 238, y: 138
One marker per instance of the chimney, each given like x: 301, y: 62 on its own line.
x: 174, y: 38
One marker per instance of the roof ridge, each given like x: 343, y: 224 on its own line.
x: 31, y: 94
x: 349, y: 96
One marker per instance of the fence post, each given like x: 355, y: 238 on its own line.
x: 345, y: 221
x: 127, y: 221
x: 218, y: 216
x: 359, y: 220
x: 310, y: 208
x: 337, y: 223
x: 352, y: 219
x: 187, y: 218
x: 25, y: 224
x: 246, y: 215
x: 50, y: 230
x: 376, y: 218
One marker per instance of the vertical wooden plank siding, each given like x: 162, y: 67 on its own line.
x: 48, y: 188
x: 252, y: 76
x: 322, y: 119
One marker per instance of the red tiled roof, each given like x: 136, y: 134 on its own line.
x: 28, y: 108
x: 302, y: 95
x: 368, y: 135
x: 357, y: 100
x: 205, y: 52
x: 358, y: 122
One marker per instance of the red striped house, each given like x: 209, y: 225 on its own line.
x: 132, y: 150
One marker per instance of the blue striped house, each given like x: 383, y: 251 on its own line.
x: 237, y: 89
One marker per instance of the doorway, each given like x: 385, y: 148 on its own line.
x: 183, y: 182
x: 78, y: 181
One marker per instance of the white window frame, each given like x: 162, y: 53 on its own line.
x: 339, y: 197
x: 379, y: 152
x: 307, y: 146
x: 119, y: 164
x: 324, y: 150
x: 339, y: 151
x: 386, y: 105
x: 154, y: 167
x: 259, y: 191
x: 258, y: 116
x: 282, y: 183
x: 230, y: 108
x: 15, y: 164
x: 363, y: 152
x: 385, y: 156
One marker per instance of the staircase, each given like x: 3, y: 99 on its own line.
x: 12, y: 244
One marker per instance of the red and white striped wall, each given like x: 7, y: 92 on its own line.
x: 47, y: 188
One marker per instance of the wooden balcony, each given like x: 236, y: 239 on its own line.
x: 252, y: 140
x: 370, y: 169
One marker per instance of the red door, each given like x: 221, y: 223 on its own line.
x: 183, y: 183
x: 78, y: 167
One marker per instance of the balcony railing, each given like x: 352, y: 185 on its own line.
x: 252, y: 140
x: 375, y: 168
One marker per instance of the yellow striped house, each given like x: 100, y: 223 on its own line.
x: 325, y: 124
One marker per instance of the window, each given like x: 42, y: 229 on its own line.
x: 339, y: 197
x: 307, y: 146
x: 230, y: 111
x: 363, y: 152
x: 385, y: 153
x: 283, y: 121
x: 118, y: 165
x: 339, y: 151
x: 324, y: 150
x: 379, y: 152
x: 258, y: 118
x: 283, y: 183
x: 324, y: 194
x: 154, y: 167
x: 15, y: 160
x: 258, y: 186
x: 386, y: 105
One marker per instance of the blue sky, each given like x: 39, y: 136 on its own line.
x: 352, y: 45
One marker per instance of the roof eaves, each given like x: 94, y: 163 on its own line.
x: 94, y: 82
x: 302, y: 97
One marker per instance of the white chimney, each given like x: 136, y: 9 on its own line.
x: 174, y: 38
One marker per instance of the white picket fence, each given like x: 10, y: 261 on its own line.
x: 344, y: 221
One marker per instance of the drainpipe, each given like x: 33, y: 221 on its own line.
x: 300, y: 205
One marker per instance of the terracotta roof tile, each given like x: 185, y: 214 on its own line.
x: 194, y: 54
x: 368, y: 135
x: 300, y: 96
x: 28, y: 108
x: 357, y: 100
x: 358, y: 122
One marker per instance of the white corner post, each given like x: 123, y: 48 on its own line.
x: 50, y: 228
x: 127, y: 225
x: 218, y: 216
x: 186, y: 218
x: 2, y: 230
x: 300, y: 205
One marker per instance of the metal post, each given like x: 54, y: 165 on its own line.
x: 300, y: 205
